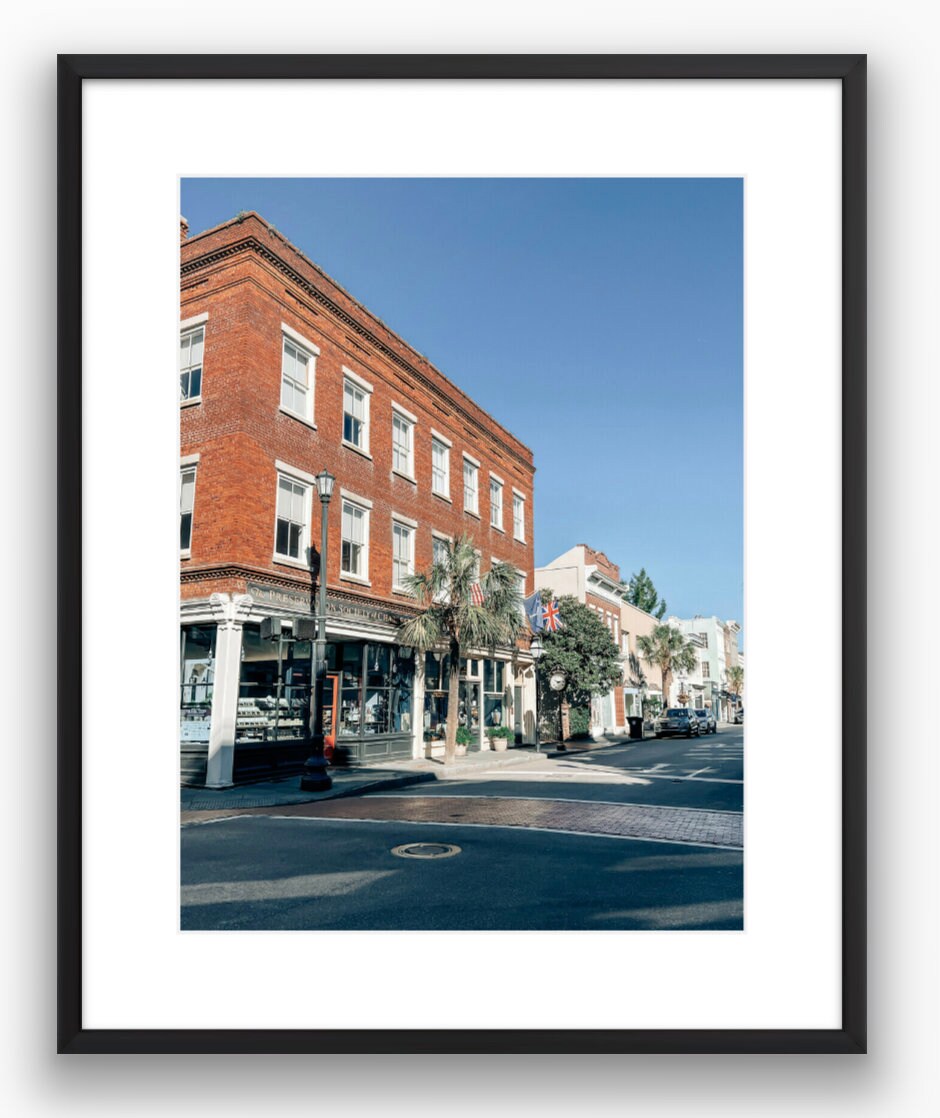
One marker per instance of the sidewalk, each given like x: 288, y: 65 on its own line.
x: 346, y: 782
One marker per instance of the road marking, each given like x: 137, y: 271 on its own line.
x: 607, y: 778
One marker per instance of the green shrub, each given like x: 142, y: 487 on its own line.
x: 579, y: 721
x: 464, y: 737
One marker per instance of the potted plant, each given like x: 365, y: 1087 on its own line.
x: 499, y: 737
x: 464, y: 737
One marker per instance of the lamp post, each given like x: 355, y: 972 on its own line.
x: 536, y: 649
x: 315, y: 777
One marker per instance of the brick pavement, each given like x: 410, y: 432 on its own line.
x: 664, y: 824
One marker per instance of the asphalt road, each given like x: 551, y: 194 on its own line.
x: 267, y: 873
x: 326, y: 867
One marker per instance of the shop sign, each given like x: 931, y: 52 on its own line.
x: 278, y: 596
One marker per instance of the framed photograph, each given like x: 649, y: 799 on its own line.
x: 508, y: 659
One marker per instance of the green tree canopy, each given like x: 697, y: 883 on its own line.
x: 643, y: 595
x: 450, y: 620
x: 584, y: 650
x: 670, y: 651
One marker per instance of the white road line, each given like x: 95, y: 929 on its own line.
x: 605, y: 777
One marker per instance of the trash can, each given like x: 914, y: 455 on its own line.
x: 636, y: 726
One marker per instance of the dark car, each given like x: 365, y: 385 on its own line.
x: 678, y: 721
x: 706, y: 720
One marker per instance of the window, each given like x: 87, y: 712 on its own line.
x: 440, y: 549
x: 440, y: 468
x: 355, y: 416
x: 297, y: 380
x: 355, y: 548
x: 494, y: 686
x: 187, y: 493
x: 704, y: 639
x: 496, y: 503
x: 191, y: 348
x: 518, y: 516
x: 402, y: 554
x: 293, y: 518
x: 471, y: 472
x: 440, y: 553
x: 402, y: 445
x: 705, y: 669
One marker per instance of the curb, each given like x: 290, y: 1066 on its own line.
x: 402, y: 781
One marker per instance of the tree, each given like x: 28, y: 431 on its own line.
x: 736, y: 682
x: 449, y: 618
x: 642, y: 594
x: 670, y: 651
x: 584, y: 650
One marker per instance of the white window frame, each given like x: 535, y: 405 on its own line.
x: 403, y: 526
x: 363, y: 506
x: 518, y: 499
x: 497, y: 484
x: 474, y: 465
x: 443, y: 538
x: 306, y: 482
x: 359, y: 385
x: 312, y: 352
x: 189, y: 326
x: 403, y: 419
x: 445, y: 445
x: 188, y: 466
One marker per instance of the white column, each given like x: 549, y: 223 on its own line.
x: 230, y: 617
x: 527, y: 679
x: 417, y: 745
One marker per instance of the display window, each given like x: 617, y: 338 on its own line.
x: 197, y: 660
x: 274, y: 689
x: 376, y: 688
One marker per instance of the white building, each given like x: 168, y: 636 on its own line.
x: 716, y: 644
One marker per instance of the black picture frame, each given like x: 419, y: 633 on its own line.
x: 850, y: 71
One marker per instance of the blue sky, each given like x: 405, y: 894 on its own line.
x: 600, y: 320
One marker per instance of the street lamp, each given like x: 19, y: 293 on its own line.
x: 536, y: 650
x: 315, y: 777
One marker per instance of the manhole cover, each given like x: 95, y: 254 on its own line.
x: 426, y: 850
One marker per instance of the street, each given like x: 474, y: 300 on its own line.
x: 645, y: 835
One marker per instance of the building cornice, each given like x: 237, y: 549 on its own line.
x: 254, y: 245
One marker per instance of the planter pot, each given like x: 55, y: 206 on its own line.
x: 500, y: 744
x: 461, y: 750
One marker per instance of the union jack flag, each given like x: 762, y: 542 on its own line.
x: 476, y: 594
x: 551, y: 619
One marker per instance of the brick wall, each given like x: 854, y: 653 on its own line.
x: 249, y: 281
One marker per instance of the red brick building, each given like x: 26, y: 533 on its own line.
x: 283, y: 374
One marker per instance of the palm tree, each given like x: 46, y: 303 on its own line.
x: 450, y: 618
x: 735, y: 677
x: 670, y: 651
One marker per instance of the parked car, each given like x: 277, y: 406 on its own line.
x: 676, y: 721
x: 706, y: 720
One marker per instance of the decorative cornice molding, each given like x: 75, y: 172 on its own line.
x: 252, y: 244
x: 306, y: 586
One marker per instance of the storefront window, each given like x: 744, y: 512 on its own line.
x: 274, y: 689
x: 197, y: 660
x: 494, y: 676
x: 376, y: 689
